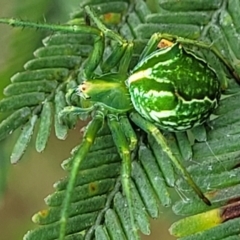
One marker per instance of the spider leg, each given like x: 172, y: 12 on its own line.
x: 211, y: 47
x: 88, y: 140
x: 126, y: 59
x: 69, y: 95
x: 118, y: 50
x: 157, y: 37
x: 95, y: 57
x: 128, y: 131
x: 121, y: 52
x: 108, y: 32
x: 151, y: 45
x: 124, y: 151
x: 82, y: 113
x: 154, y: 131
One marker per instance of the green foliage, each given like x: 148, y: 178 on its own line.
x: 98, y: 206
x: 20, y: 49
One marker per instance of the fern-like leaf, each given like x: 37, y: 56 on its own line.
x: 98, y: 206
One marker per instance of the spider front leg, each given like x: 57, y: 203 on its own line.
x: 122, y: 145
x: 153, y: 130
x: 119, y: 51
x: 128, y: 131
x: 71, y: 111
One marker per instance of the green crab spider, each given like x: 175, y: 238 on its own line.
x: 155, y: 95
x: 152, y: 97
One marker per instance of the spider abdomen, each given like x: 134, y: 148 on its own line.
x: 174, y: 89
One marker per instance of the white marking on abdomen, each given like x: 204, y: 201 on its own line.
x: 162, y: 114
x: 139, y: 75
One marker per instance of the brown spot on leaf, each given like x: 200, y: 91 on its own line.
x: 93, y: 187
x: 231, y: 211
x: 43, y: 213
x: 112, y: 18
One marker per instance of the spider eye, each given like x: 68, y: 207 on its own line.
x: 82, y: 88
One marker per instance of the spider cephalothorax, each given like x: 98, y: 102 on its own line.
x: 109, y: 90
